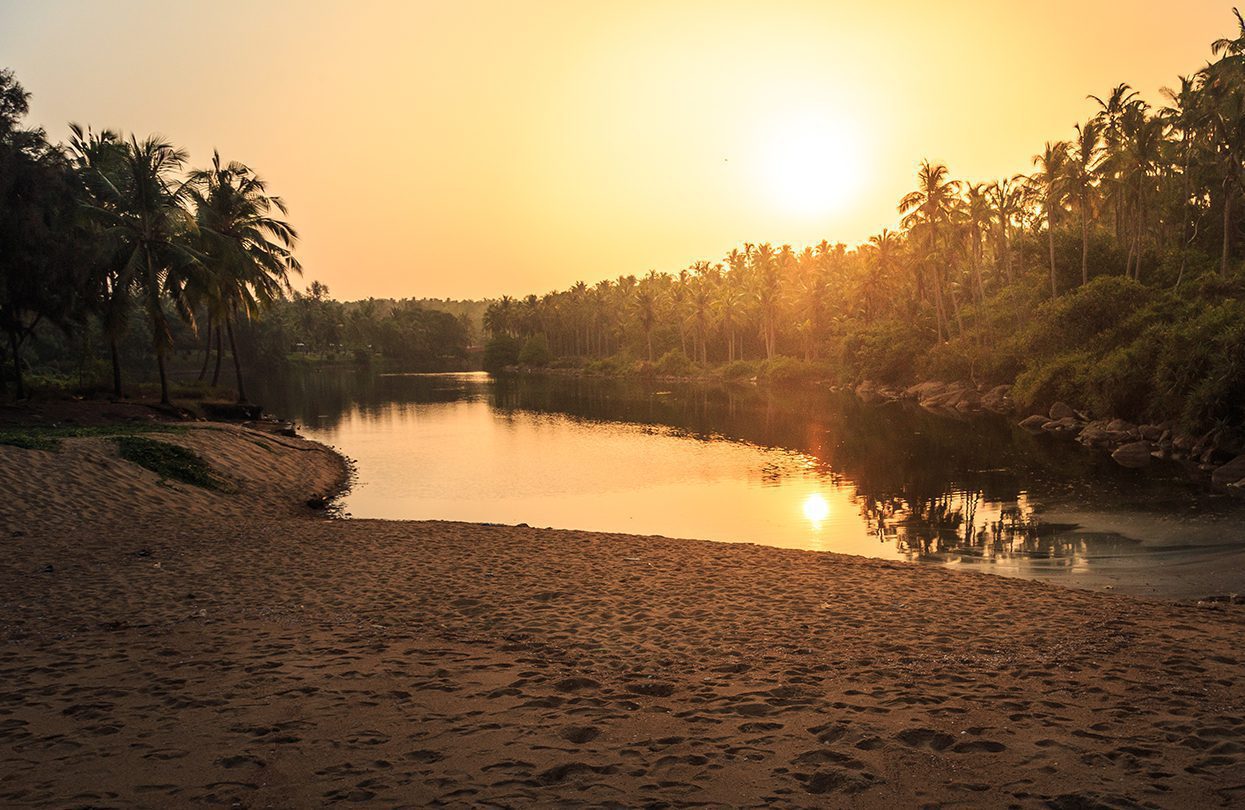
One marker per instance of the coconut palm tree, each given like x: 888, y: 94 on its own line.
x: 248, y: 250
x: 141, y: 206
x: 928, y: 211
x: 96, y: 158
x: 1080, y: 177
x: 1049, y: 180
x: 1006, y: 198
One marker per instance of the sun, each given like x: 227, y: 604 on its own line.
x: 812, y: 166
x: 816, y: 509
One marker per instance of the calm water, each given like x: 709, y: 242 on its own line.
x: 802, y: 469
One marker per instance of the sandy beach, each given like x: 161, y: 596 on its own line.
x: 164, y: 645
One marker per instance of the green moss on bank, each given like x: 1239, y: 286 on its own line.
x: 168, y: 461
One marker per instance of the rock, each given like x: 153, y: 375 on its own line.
x: 291, y: 431
x: 968, y: 401
x: 1229, y: 473
x: 923, y: 390
x: 1061, y: 410
x: 1066, y: 425
x: 1133, y: 454
x: 1033, y: 423
x: 1121, y: 426
x: 1151, y: 433
x: 998, y: 399
x: 317, y: 502
x: 1095, y: 434
x: 233, y: 410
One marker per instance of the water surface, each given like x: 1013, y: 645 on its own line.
x: 803, y: 469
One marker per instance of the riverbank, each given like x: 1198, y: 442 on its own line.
x: 169, y: 644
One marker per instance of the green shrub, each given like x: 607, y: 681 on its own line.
x: 739, y: 370
x: 535, y: 351
x: 501, y: 351
x: 789, y: 370
x: 674, y: 363
x: 885, y: 352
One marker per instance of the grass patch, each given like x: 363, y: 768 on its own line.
x: 168, y: 461
x: 30, y: 440
x: 49, y: 438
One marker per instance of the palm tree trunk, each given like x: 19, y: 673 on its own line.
x: 1227, y: 230
x: 1050, y: 237
x: 219, y: 353
x: 14, y: 346
x: 237, y: 364
x: 116, y: 367
x: 164, y: 377
x: 207, y: 349
x: 1084, y: 244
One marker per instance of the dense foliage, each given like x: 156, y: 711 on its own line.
x: 136, y: 260
x: 1110, y: 276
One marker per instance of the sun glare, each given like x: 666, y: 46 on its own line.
x: 813, y: 167
x: 816, y: 509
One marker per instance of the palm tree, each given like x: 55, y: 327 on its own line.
x: 248, y: 250
x: 765, y: 271
x: 142, y: 208
x: 97, y: 157
x: 881, y: 255
x: 646, y: 310
x: 928, y: 210
x: 1080, y: 176
x: 1049, y: 180
x: 1225, y: 111
x: 975, y: 210
x: 1006, y: 198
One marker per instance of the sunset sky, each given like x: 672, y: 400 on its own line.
x: 471, y: 149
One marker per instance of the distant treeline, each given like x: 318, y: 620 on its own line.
x: 116, y: 257
x: 1109, y: 277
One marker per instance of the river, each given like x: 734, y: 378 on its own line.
x: 804, y: 469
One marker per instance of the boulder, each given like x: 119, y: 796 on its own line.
x: 1068, y: 424
x: 1061, y: 410
x: 1229, y: 473
x: 1096, y: 434
x: 998, y: 399
x: 1033, y: 423
x: 1151, y: 433
x: 1133, y: 454
x: 924, y: 389
x: 968, y: 401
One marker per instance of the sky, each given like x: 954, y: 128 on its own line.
x: 471, y: 149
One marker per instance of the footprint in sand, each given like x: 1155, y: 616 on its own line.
x: 925, y: 738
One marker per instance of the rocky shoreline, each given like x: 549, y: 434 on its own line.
x: 1215, y: 452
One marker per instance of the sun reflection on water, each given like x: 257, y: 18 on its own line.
x: 816, y: 509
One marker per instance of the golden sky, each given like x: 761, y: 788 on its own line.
x: 471, y: 149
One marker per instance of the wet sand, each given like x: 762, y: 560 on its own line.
x: 163, y: 645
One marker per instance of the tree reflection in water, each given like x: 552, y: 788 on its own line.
x: 937, y: 487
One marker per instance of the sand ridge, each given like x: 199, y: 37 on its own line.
x: 165, y: 646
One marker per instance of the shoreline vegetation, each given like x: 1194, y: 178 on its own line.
x: 452, y: 662
x: 1217, y: 455
x: 1107, y: 281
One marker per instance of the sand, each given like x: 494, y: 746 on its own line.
x: 163, y: 645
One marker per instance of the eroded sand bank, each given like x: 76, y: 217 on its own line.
x: 164, y: 645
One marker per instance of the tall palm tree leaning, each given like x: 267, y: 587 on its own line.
x: 929, y: 209
x: 1080, y: 177
x: 142, y: 209
x: 1049, y: 179
x: 248, y: 250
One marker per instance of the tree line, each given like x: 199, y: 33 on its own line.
x: 1140, y: 209
x: 112, y: 228
x: 115, y: 252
